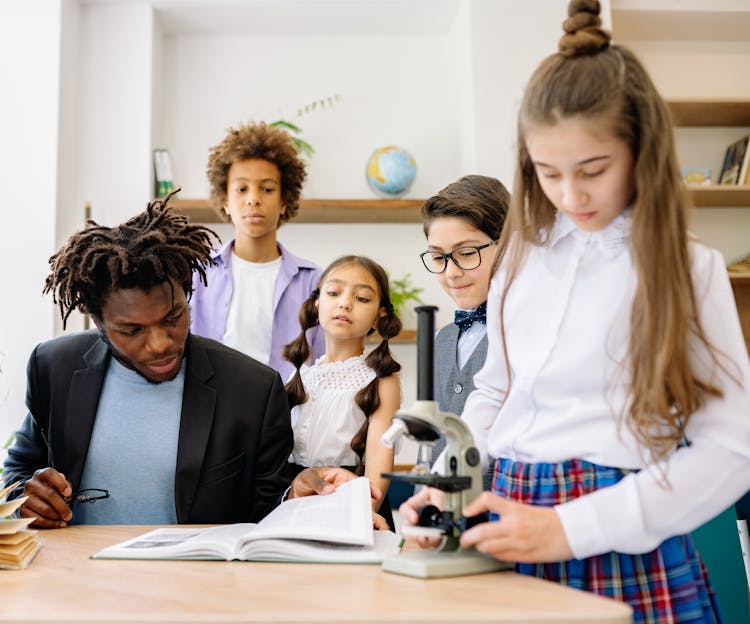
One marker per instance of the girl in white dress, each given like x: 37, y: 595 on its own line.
x: 616, y: 387
x: 344, y: 402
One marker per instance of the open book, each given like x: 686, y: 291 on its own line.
x: 18, y: 545
x: 336, y: 528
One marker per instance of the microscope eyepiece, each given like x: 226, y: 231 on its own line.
x: 393, y: 433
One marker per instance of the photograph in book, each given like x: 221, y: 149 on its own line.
x: 336, y: 528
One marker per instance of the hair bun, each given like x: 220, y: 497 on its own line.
x: 583, y: 29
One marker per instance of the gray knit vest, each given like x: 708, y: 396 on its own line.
x: 452, y: 385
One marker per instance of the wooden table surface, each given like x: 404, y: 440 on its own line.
x: 64, y: 585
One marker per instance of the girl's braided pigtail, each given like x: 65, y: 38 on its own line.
x: 381, y: 361
x: 298, y: 350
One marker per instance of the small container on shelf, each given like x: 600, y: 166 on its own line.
x: 701, y: 176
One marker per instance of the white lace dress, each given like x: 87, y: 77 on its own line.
x: 325, y: 424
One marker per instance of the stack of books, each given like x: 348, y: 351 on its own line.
x: 736, y: 166
x: 18, y: 545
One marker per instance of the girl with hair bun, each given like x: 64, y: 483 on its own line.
x: 615, y: 391
x: 343, y: 403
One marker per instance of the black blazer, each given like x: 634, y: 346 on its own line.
x: 235, y: 432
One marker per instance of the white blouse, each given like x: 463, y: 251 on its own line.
x: 325, y: 424
x: 567, y: 322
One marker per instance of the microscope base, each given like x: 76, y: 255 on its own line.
x: 435, y: 564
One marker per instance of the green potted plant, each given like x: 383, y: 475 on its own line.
x: 303, y: 147
x: 403, y: 291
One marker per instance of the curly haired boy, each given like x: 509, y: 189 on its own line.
x: 256, y: 287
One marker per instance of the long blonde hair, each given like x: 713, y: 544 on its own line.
x: 589, y: 78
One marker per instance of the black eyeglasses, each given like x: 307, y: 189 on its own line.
x: 465, y: 258
x: 86, y: 496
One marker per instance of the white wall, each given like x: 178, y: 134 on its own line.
x: 394, y: 89
x: 712, y: 70
x: 445, y: 96
x: 114, y: 110
x: 102, y: 82
x: 30, y: 33
x: 501, y: 70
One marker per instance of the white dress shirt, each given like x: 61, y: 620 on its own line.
x: 567, y: 318
x: 468, y: 342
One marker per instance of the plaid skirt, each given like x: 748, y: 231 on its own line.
x: 668, y: 584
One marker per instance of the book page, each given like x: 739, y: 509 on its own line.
x: 9, y: 507
x: 345, y: 517
x: 180, y: 543
x: 8, y: 488
x: 386, y: 544
x: 311, y: 528
x: 12, y: 525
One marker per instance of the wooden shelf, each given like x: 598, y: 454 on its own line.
x: 323, y: 210
x: 695, y: 113
x: 405, y: 336
x: 680, y: 21
x: 739, y: 276
x: 706, y: 113
x: 739, y: 272
x: 720, y: 196
x: 407, y: 210
x: 710, y: 112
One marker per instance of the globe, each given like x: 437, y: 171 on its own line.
x: 391, y: 171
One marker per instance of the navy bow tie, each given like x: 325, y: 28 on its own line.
x: 465, y: 319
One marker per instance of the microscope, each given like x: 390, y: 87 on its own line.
x: 460, y: 478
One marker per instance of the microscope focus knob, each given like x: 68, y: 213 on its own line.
x: 472, y: 456
x: 429, y: 516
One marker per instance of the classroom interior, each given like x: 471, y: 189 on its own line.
x: 94, y: 86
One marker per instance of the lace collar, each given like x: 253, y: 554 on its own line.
x: 611, y: 240
x: 349, y: 362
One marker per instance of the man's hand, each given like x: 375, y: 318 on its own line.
x: 525, y: 533
x: 46, y: 491
x: 325, y: 480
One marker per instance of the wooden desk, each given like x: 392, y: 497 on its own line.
x: 64, y: 585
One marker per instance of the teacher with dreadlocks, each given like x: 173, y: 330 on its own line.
x: 138, y: 418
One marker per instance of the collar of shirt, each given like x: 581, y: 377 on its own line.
x: 611, y: 241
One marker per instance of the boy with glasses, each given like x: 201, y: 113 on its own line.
x: 462, y: 224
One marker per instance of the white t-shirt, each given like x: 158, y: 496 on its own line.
x: 250, y: 317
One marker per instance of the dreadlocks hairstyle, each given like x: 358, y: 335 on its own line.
x: 379, y: 359
x: 264, y: 142
x: 149, y: 249
x: 590, y: 78
x: 479, y: 200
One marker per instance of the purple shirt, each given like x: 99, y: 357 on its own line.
x: 209, y: 305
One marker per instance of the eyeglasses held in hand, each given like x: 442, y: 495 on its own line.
x: 465, y: 258
x: 86, y: 496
